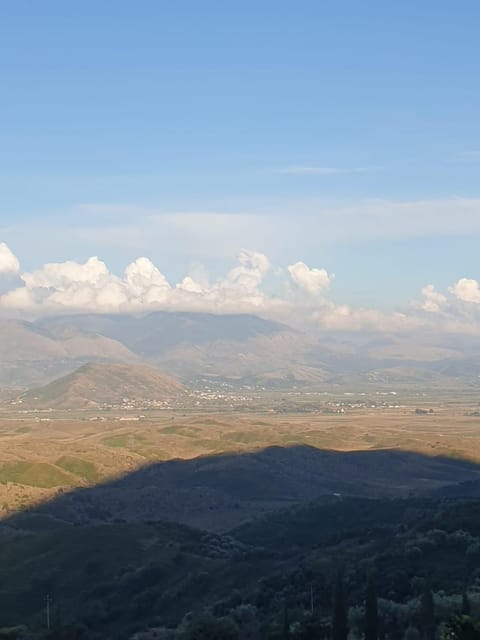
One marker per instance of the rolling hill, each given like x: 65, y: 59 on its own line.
x: 119, y: 578
x: 97, y: 385
x: 219, y: 491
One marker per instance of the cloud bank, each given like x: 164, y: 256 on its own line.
x: 73, y: 287
x: 90, y: 286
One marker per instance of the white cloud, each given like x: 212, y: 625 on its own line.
x: 313, y: 281
x: 433, y: 300
x: 9, y: 263
x: 344, y: 318
x: 68, y: 286
x: 456, y: 310
x: 466, y: 290
x: 90, y: 286
x: 61, y: 275
x: 145, y: 283
x: 250, y: 272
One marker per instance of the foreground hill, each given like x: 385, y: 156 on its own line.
x: 217, y: 492
x: 100, y: 385
x: 120, y: 578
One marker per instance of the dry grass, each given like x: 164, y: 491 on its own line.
x: 111, y: 447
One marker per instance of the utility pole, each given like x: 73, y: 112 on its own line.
x: 48, y: 602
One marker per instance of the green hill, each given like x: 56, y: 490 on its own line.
x: 119, y: 578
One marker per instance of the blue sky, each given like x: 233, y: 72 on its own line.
x: 116, y: 116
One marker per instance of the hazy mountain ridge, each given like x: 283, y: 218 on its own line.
x: 31, y: 354
x: 242, y: 349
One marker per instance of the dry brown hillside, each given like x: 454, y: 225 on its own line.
x: 96, y: 385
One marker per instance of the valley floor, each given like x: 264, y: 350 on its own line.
x: 46, y: 453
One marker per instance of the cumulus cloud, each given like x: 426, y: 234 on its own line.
x: 313, y: 281
x: 456, y: 310
x: 145, y: 283
x: 466, y: 290
x: 68, y: 285
x: 459, y: 300
x: 91, y: 287
x: 433, y: 301
x: 9, y: 263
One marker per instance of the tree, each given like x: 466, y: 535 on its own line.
x: 245, y: 617
x: 371, y: 612
x: 13, y: 633
x: 286, y: 623
x: 207, y: 627
x: 466, y: 609
x: 339, y: 618
x: 462, y: 628
x: 73, y: 632
x: 427, y: 615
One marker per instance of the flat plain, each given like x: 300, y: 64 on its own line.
x: 43, y: 454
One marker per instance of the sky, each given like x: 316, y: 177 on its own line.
x: 226, y: 143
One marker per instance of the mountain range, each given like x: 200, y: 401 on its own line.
x: 240, y: 349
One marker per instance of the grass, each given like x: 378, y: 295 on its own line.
x: 23, y: 430
x: 78, y: 467
x: 247, y: 437
x: 182, y: 430
x: 34, y: 474
x: 136, y: 443
x: 120, y: 440
x: 124, y: 440
x: 71, y: 450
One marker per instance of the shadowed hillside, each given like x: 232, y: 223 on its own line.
x: 221, y: 491
x: 115, y: 577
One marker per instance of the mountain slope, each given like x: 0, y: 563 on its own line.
x: 97, y: 385
x: 31, y: 354
x: 239, y: 347
x: 219, y: 491
x: 156, y: 332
